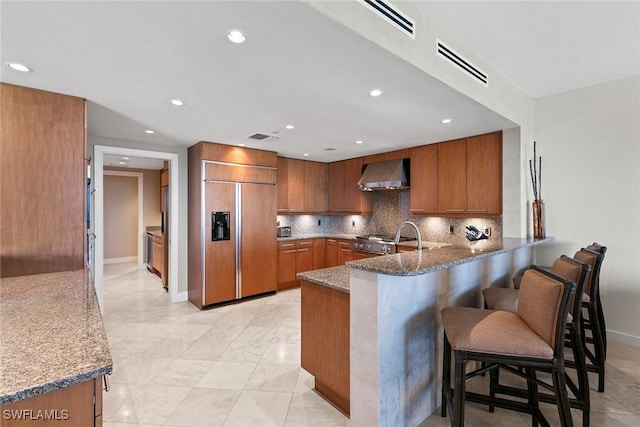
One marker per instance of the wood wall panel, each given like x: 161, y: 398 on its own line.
x: 239, y: 173
x: 239, y: 155
x: 383, y: 157
x: 42, y: 181
x: 194, y: 229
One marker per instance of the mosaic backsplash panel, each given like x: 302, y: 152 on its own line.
x: 390, y: 208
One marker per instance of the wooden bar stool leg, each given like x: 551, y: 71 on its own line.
x: 446, y: 377
x: 562, y: 399
x: 459, y: 390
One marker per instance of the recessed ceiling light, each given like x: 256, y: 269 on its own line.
x: 240, y: 145
x: 125, y: 158
x: 445, y: 121
x: 236, y: 36
x: 289, y: 127
x: 19, y: 67
x: 375, y: 92
x: 177, y: 102
x: 122, y: 163
x: 359, y: 142
x: 149, y: 131
x: 306, y: 154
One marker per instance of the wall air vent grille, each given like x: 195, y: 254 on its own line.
x: 261, y: 136
x: 392, y: 15
x: 460, y: 62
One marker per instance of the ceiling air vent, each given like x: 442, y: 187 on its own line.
x: 261, y: 136
x: 460, y: 62
x: 392, y: 15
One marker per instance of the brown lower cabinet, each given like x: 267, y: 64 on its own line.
x: 325, y: 341
x: 295, y: 257
x: 79, y: 405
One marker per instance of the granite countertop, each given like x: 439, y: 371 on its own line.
x: 51, y: 334
x: 438, y: 258
x: 333, y: 277
x: 434, y: 256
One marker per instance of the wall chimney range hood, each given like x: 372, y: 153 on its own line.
x: 389, y: 175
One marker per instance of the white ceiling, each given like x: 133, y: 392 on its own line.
x: 548, y: 47
x: 128, y: 59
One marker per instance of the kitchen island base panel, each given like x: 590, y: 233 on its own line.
x: 79, y: 405
x: 396, y: 327
x: 325, y: 340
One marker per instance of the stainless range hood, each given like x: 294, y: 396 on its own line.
x: 389, y: 175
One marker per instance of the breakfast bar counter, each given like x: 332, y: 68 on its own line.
x: 51, y: 336
x: 394, y: 337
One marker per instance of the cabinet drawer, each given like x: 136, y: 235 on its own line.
x: 286, y: 245
x: 304, y: 244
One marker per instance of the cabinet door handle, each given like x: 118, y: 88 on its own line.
x: 286, y: 245
x: 303, y: 250
x: 330, y: 241
x: 290, y: 252
x: 305, y: 243
x: 106, y: 383
x: 455, y: 210
x: 417, y: 210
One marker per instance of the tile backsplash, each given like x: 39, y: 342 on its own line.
x: 390, y: 208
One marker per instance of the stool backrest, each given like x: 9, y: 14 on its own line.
x: 597, y: 247
x: 576, y: 271
x: 543, y: 304
x: 594, y: 259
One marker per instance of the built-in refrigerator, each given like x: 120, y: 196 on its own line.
x: 232, y: 233
x: 238, y: 235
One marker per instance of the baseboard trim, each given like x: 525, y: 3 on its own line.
x: 182, y: 296
x: 120, y: 260
x: 623, y: 338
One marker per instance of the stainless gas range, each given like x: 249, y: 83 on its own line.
x: 376, y: 244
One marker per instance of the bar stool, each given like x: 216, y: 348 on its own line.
x: 595, y: 344
x: 593, y: 317
x: 532, y: 338
x: 577, y: 272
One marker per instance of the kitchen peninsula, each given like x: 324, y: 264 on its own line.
x: 388, y: 359
x: 53, y: 350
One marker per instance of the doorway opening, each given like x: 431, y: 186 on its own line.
x: 97, y: 264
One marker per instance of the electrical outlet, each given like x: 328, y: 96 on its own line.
x: 487, y: 231
x: 353, y: 223
x: 450, y: 228
x: 319, y: 222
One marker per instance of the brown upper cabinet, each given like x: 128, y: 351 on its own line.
x: 302, y: 186
x: 462, y: 177
x: 344, y: 195
x: 43, y: 181
x: 424, y: 179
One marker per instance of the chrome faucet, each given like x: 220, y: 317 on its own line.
x: 415, y: 227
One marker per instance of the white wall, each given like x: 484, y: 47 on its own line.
x: 590, y: 143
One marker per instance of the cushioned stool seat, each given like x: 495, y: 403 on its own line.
x: 493, y: 331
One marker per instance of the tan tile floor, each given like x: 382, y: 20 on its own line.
x: 239, y: 365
